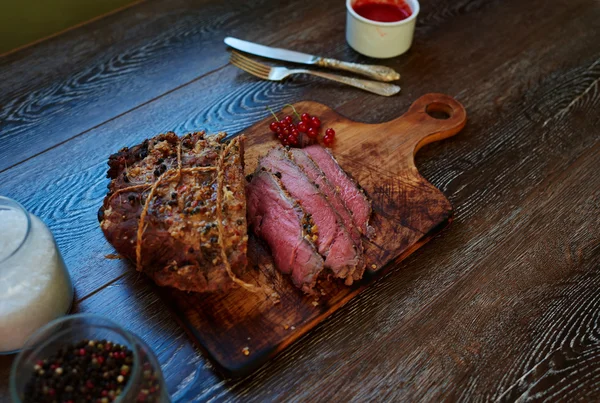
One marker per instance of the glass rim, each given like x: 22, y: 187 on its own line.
x: 22, y: 209
x: 103, y: 323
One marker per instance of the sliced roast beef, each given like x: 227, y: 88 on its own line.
x: 277, y: 218
x: 353, y: 196
x: 334, y: 242
x: 314, y: 173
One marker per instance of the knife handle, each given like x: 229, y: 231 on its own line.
x: 375, y: 87
x: 380, y: 73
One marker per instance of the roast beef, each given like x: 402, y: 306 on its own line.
x: 277, y: 218
x: 176, y: 208
x: 314, y: 173
x: 352, y: 195
x: 334, y: 242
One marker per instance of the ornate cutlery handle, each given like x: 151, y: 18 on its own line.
x: 375, y: 87
x: 380, y: 73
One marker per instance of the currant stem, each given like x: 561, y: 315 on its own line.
x: 293, y: 109
x: 272, y: 113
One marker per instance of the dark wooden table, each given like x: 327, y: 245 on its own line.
x: 503, y: 305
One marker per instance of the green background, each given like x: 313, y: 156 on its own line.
x: 25, y: 21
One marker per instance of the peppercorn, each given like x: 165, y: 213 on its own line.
x: 76, y: 373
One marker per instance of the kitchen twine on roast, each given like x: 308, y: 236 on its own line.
x: 175, y: 174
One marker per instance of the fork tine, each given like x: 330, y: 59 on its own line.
x: 253, y: 66
x: 247, y: 70
x: 250, y: 70
x: 245, y: 66
x: 250, y: 62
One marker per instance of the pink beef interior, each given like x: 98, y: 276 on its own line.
x: 277, y: 219
x: 334, y: 242
x: 315, y: 174
x: 355, y: 200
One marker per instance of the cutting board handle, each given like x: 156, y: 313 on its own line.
x: 432, y: 117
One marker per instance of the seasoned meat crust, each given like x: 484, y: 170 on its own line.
x: 176, y: 207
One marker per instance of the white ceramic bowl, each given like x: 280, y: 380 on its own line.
x: 380, y: 39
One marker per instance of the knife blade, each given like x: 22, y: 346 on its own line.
x: 381, y: 73
x: 271, y: 53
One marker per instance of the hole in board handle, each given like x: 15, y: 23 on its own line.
x: 438, y: 110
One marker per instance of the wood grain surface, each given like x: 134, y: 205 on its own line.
x: 503, y: 307
x: 407, y: 212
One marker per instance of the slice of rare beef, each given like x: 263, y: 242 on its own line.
x: 317, y: 176
x: 162, y: 210
x: 277, y: 218
x: 334, y: 242
x: 353, y: 196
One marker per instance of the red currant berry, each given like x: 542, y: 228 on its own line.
x: 312, y: 133
x: 294, y: 132
x: 280, y: 136
x: 292, y: 140
x: 315, y: 122
x: 288, y: 119
x: 328, y: 140
x: 285, y: 142
x: 286, y: 132
x: 305, y: 117
x: 302, y: 127
x: 330, y: 132
x: 273, y: 127
x: 282, y: 124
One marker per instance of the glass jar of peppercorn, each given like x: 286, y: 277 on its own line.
x: 86, y: 358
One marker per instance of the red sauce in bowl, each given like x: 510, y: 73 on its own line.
x: 383, y: 12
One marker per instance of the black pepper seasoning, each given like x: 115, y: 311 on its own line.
x: 89, y: 370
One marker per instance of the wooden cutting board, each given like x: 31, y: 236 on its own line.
x: 240, y: 330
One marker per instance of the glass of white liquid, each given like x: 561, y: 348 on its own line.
x: 35, y: 286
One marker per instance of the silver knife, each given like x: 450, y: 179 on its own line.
x: 381, y: 73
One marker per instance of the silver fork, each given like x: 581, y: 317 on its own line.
x: 279, y: 73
